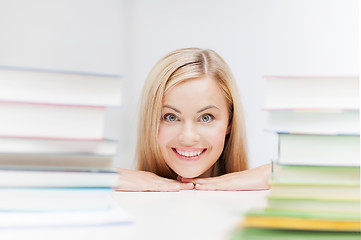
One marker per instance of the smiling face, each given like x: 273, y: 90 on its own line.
x: 193, y: 127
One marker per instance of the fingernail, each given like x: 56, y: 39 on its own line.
x: 190, y: 184
x: 198, y: 185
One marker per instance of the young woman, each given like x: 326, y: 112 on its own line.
x: 191, y: 132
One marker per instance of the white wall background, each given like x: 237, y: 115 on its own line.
x: 256, y: 38
x: 62, y: 35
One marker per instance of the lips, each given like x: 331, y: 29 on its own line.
x: 189, y: 153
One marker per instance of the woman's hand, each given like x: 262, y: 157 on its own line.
x: 252, y: 179
x: 133, y: 180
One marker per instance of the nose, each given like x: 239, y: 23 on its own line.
x: 188, y: 135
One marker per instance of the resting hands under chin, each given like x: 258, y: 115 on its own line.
x: 141, y: 181
x: 252, y: 179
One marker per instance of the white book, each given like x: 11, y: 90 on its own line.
x: 113, y: 216
x: 314, y: 122
x: 319, y: 150
x: 51, y: 121
x: 302, y: 92
x: 55, y: 199
x: 56, y: 161
x: 59, y: 88
x: 90, y: 232
x: 58, y: 178
x: 57, y: 146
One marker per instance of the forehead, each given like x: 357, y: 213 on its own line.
x: 195, y: 92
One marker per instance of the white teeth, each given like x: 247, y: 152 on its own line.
x: 189, y: 154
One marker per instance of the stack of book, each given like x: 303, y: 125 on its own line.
x: 315, y: 185
x: 53, y: 154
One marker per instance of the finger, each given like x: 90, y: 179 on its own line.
x: 165, y: 187
x: 212, y: 186
x: 154, y: 187
x: 203, y: 180
x: 186, y: 186
x: 190, y: 180
x: 186, y: 180
x: 173, y: 186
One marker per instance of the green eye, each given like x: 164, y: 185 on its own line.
x: 207, y: 118
x: 170, y: 117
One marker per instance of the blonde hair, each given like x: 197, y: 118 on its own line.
x: 176, y: 67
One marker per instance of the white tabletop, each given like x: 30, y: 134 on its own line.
x: 188, y: 214
x: 183, y: 215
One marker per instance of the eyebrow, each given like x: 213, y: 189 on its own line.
x: 206, y: 108
x: 174, y: 109
x: 201, y: 110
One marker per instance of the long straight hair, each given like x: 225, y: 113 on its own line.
x: 176, y: 67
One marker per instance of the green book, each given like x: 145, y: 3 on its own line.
x: 317, y: 190
x: 272, y: 234
x: 314, y: 204
x: 304, y: 214
x: 315, y: 174
x: 302, y: 220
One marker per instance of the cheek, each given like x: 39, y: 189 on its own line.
x: 216, y: 136
x: 165, y: 135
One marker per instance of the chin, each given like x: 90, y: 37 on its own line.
x: 190, y: 176
x: 187, y: 174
